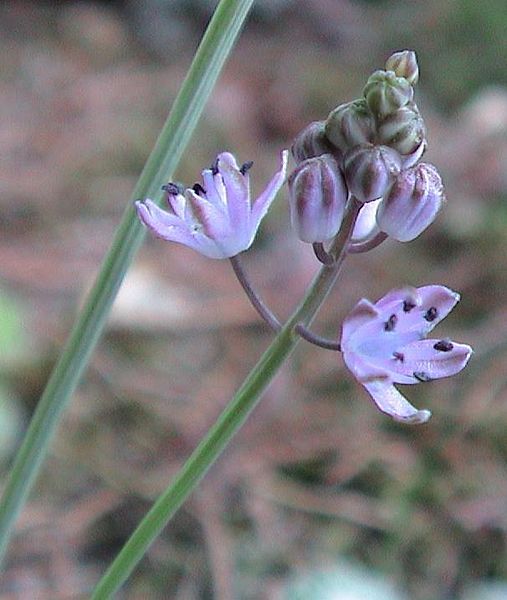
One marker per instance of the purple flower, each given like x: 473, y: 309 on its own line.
x: 218, y: 218
x: 383, y: 344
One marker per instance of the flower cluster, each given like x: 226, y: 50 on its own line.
x: 365, y: 154
x: 370, y: 149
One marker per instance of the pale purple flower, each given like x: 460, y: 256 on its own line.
x: 384, y: 343
x: 218, y: 218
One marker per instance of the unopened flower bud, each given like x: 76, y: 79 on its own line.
x: 370, y: 170
x: 350, y: 124
x: 385, y: 93
x: 404, y: 64
x: 412, y: 203
x: 310, y: 142
x: 317, y: 195
x: 403, y: 130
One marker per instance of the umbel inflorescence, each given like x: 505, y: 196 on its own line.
x: 358, y: 180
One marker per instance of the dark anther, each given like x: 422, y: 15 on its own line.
x: 173, y: 188
x: 421, y: 376
x: 431, y: 314
x: 198, y: 189
x: 408, y: 305
x: 246, y: 167
x: 390, y: 323
x: 399, y: 356
x: 214, y: 166
x: 443, y: 346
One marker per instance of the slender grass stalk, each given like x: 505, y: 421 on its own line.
x: 214, y: 49
x: 228, y: 423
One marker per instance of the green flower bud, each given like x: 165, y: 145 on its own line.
x: 404, y: 64
x: 370, y: 170
x: 310, y: 142
x: 350, y: 125
x: 385, y: 93
x: 403, y: 130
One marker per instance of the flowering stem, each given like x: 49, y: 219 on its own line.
x: 316, y: 340
x: 268, y: 316
x: 186, y: 110
x: 229, y: 422
x: 373, y: 242
x: 257, y: 302
x: 321, y: 254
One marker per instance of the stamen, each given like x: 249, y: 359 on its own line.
x: 443, y: 346
x: 390, y: 323
x: 431, y: 314
x: 246, y: 167
x: 421, y: 376
x: 173, y: 188
x: 399, y: 356
x: 408, y: 305
x: 214, y: 166
x: 198, y: 189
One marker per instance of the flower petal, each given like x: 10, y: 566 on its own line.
x: 155, y: 218
x: 364, y: 370
x: 366, y: 223
x: 390, y: 401
x: 431, y: 359
x: 237, y: 190
x: 169, y: 227
x: 215, y: 190
x: 177, y: 203
x: 261, y: 205
x: 406, y: 293
x: 363, y: 312
x: 439, y: 297
x: 208, y: 216
x: 418, y: 309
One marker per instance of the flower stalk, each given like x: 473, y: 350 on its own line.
x: 260, y: 306
x: 231, y: 419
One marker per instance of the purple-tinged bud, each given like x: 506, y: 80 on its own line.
x: 311, y: 142
x: 404, y: 64
x: 385, y: 93
x: 412, y: 203
x: 370, y: 170
x: 350, y: 125
x: 317, y: 196
x: 403, y: 130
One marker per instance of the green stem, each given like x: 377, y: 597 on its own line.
x: 227, y: 424
x: 216, y: 45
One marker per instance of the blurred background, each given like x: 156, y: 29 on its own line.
x: 320, y: 496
